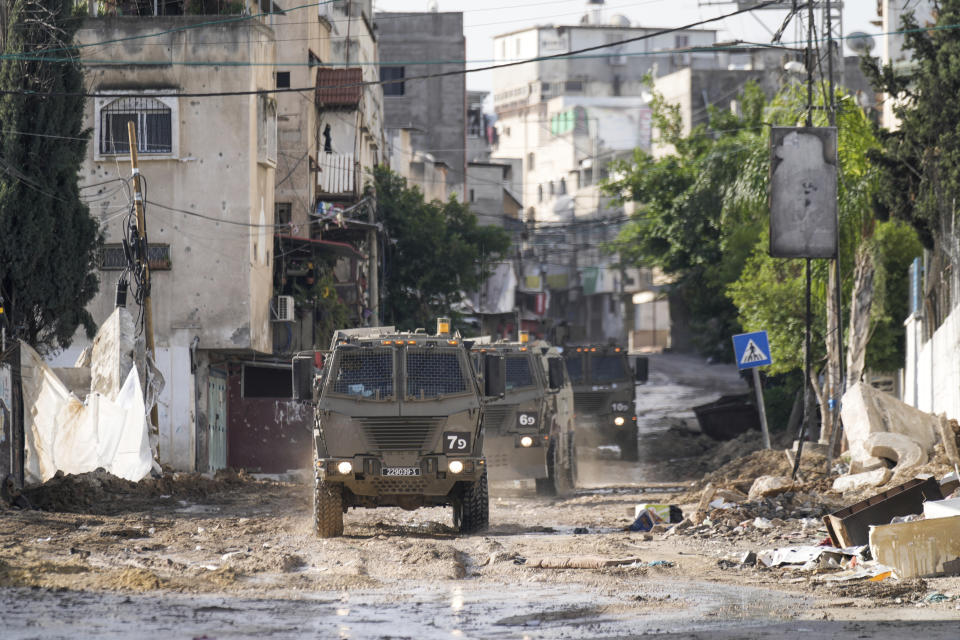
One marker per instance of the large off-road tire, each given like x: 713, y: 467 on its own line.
x: 572, y: 460
x: 328, y: 509
x: 629, y: 445
x: 472, y: 512
x: 547, y: 486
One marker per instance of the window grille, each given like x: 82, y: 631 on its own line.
x: 366, y: 374
x: 433, y: 373
x: 575, y: 368
x: 151, y: 118
x: 392, y: 77
x: 518, y: 372
x: 112, y: 257
x: 607, y: 368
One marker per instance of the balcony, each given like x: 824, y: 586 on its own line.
x: 337, y: 175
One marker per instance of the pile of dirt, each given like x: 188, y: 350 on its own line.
x: 740, y: 472
x: 101, y: 492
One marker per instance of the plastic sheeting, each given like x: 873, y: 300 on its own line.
x: 65, y: 434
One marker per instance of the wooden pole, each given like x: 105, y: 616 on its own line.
x: 141, y: 236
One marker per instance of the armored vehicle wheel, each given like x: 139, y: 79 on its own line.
x: 328, y: 509
x: 472, y: 512
x: 629, y: 446
x: 572, y: 464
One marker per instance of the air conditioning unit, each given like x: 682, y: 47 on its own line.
x: 284, y: 309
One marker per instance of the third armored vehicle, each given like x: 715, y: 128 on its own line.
x: 529, y: 433
x: 603, y: 394
x: 397, y: 423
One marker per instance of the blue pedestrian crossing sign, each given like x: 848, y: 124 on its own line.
x: 752, y: 350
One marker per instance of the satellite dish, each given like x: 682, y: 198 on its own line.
x: 620, y: 20
x: 860, y: 42
x: 433, y: 6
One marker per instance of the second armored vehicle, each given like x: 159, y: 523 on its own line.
x: 529, y: 434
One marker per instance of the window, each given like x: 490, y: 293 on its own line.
x: 472, y: 199
x: 112, y: 257
x: 550, y: 188
x: 434, y: 373
x: 530, y: 161
x: 563, y: 186
x: 284, y: 211
x: 392, y: 77
x: 681, y: 41
x: 364, y: 375
x: 283, y: 79
x: 518, y: 372
x: 575, y: 367
x: 267, y: 130
x: 267, y: 382
x: 151, y: 118
x: 540, y: 193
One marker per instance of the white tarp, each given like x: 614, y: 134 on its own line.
x: 64, y: 434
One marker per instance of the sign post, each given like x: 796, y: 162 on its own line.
x: 752, y: 351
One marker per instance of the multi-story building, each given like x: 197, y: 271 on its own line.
x: 566, y: 119
x: 431, y: 110
x: 255, y: 194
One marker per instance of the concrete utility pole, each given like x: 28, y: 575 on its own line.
x: 141, y: 237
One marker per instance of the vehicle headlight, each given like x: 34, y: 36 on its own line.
x: 526, y: 441
x: 345, y: 467
x: 618, y: 421
x: 455, y: 466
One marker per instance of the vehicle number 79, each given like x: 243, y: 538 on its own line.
x: 456, y: 442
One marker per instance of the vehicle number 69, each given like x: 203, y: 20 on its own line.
x: 527, y: 420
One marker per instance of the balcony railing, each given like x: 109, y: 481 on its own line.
x: 337, y: 175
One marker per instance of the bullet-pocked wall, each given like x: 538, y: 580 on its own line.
x: 208, y: 164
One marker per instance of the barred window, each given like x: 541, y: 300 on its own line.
x: 151, y: 118
x: 433, y: 373
x: 518, y: 372
x: 366, y: 374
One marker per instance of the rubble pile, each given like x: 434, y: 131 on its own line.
x: 101, y: 492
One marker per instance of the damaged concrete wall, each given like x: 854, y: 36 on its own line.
x: 866, y: 410
x: 932, y: 371
x: 113, y: 352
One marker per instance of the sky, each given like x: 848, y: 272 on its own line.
x: 484, y: 20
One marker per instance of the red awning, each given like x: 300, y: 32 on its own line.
x: 339, y: 88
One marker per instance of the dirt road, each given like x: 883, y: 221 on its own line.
x: 189, y: 557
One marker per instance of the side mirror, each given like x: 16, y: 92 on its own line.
x: 303, y: 373
x: 494, y: 375
x: 641, y: 369
x: 555, y: 367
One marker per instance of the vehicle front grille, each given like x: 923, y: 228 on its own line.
x: 394, y: 433
x: 496, y: 416
x: 399, y: 485
x: 591, y: 402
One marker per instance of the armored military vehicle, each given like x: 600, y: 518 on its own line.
x: 397, y: 423
x: 529, y: 432
x: 603, y: 395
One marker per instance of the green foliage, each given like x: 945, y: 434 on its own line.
x: 330, y: 312
x: 683, y: 225
x: 897, y: 245
x: 48, y: 241
x: 433, y: 254
x: 920, y: 161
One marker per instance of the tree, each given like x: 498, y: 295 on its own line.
x: 689, y: 224
x: 433, y: 252
x: 48, y: 241
x: 920, y: 160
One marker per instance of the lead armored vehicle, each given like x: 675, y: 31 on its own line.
x: 604, y: 386
x: 529, y: 434
x: 397, y: 423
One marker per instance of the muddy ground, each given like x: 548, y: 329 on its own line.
x: 234, y: 557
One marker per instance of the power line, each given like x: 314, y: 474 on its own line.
x: 439, y: 74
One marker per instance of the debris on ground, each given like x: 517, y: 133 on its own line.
x: 850, y: 526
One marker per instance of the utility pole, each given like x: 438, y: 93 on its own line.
x: 142, y: 240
